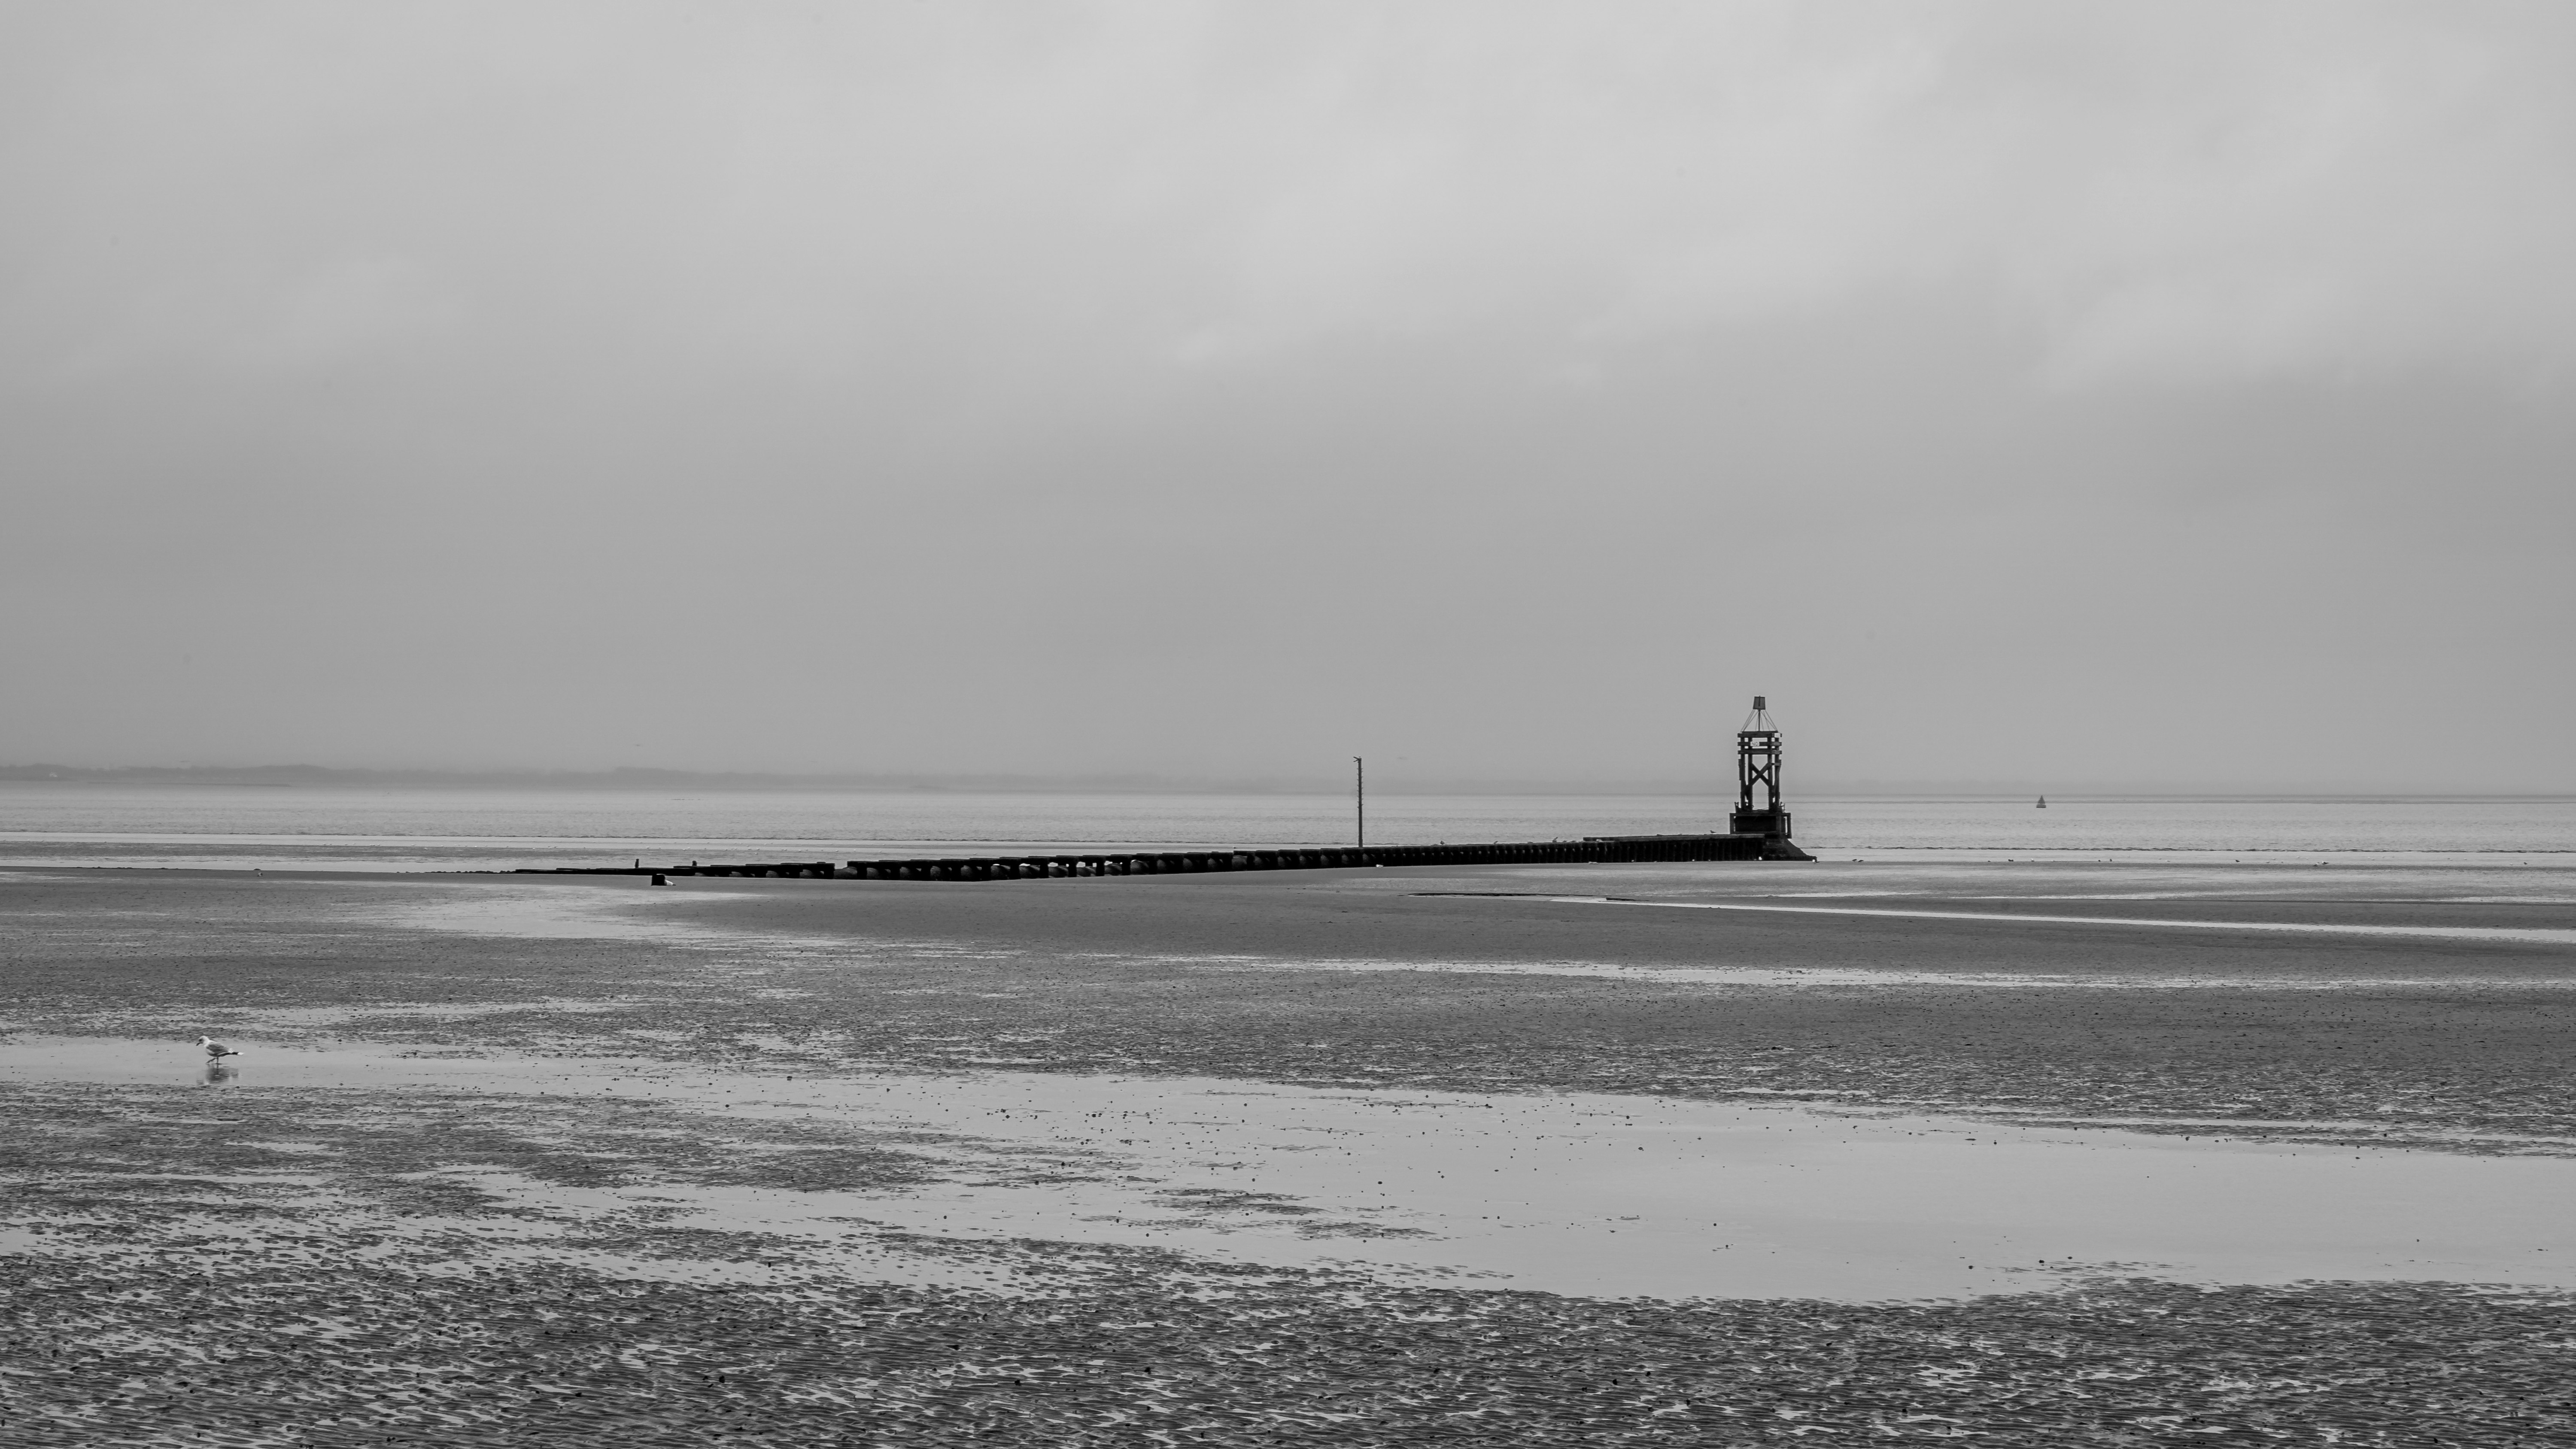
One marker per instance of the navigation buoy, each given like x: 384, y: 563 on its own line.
x: 2043, y: 802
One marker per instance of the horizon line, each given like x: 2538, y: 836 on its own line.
x: 286, y: 776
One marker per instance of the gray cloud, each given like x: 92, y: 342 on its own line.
x: 2012, y: 392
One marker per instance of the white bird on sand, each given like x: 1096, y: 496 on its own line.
x: 216, y: 1051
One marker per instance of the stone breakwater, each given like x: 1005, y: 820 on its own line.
x: 1603, y: 849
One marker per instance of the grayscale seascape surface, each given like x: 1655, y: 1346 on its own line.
x: 1186, y: 724
x: 1917, y: 1139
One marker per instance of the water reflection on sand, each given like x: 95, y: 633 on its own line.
x: 2538, y: 936
x: 1565, y: 1192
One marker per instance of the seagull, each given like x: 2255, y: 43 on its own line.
x: 216, y: 1051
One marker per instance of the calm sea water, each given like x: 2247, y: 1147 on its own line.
x: 324, y: 828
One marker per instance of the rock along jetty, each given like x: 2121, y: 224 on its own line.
x: 1598, y: 848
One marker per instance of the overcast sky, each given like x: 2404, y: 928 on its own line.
x: 2060, y: 395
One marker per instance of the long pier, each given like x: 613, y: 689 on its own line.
x: 1603, y: 849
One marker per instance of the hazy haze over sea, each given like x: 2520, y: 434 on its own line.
x: 415, y: 829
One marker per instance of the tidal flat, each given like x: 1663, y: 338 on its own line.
x: 1843, y: 1153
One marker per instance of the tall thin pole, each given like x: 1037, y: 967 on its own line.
x: 1359, y: 796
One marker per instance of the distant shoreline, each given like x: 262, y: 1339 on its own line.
x: 291, y: 777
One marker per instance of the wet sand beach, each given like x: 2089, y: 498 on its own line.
x: 1840, y: 1153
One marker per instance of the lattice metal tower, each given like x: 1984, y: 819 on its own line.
x: 1757, y: 763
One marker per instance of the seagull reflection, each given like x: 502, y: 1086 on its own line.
x: 217, y: 1074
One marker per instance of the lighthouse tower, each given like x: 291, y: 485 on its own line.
x: 1757, y: 772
